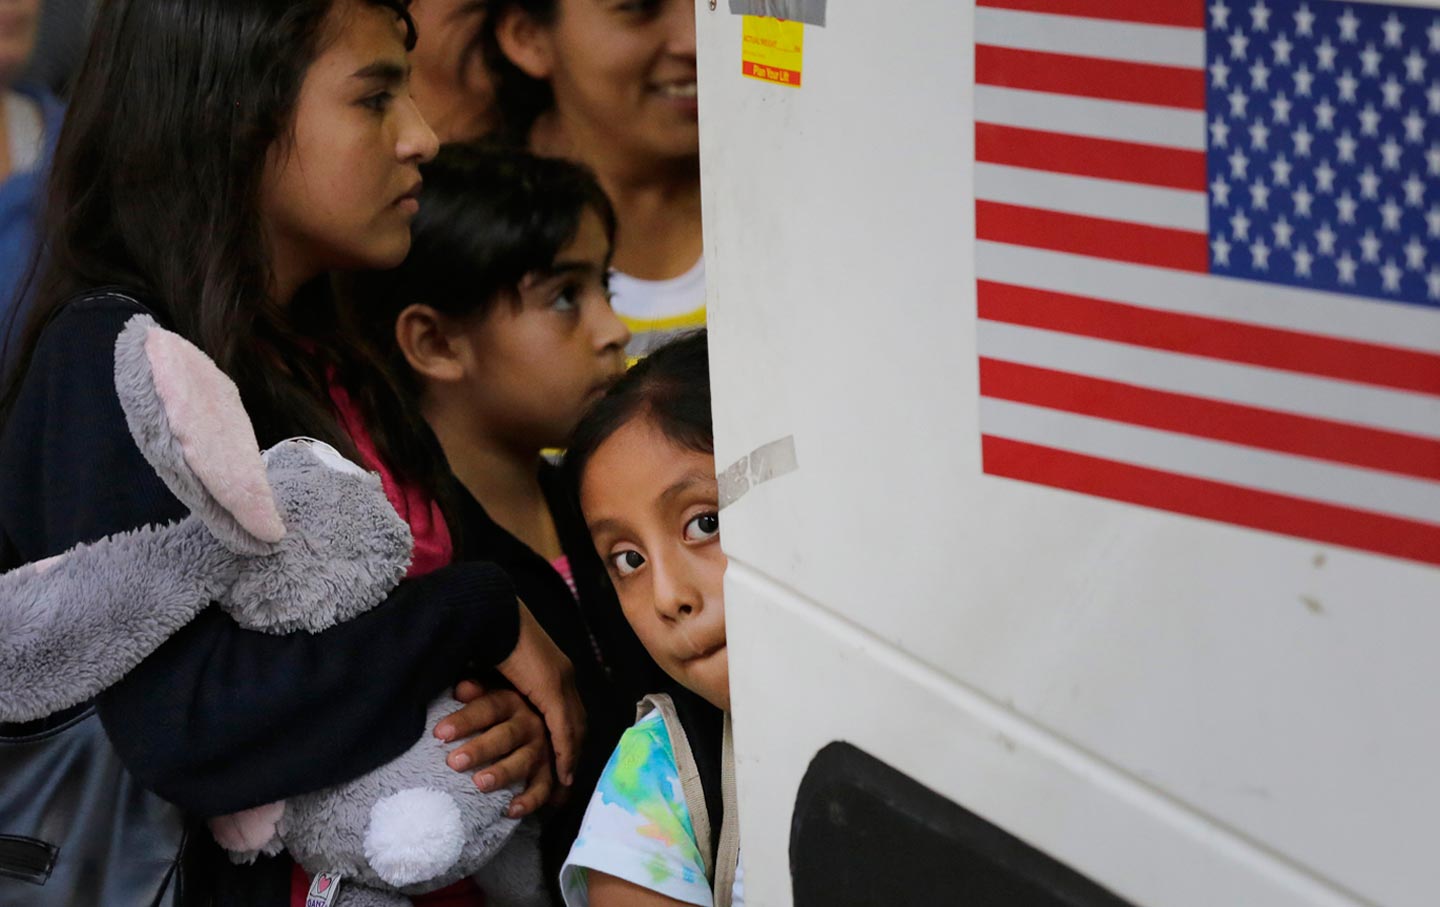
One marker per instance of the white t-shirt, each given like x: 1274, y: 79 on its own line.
x: 656, y: 310
x: 637, y: 826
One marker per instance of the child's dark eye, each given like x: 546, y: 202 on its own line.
x: 568, y: 300
x: 378, y: 103
x: 703, y: 527
x: 627, y: 562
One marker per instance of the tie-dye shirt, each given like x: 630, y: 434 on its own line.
x: 637, y: 827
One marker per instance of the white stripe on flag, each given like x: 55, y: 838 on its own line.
x: 1118, y: 120
x: 1290, y: 308
x: 1166, y: 45
x: 1092, y: 197
x: 1213, y: 379
x: 1218, y: 461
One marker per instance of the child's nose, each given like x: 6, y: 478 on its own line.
x: 676, y: 597
x: 609, y: 329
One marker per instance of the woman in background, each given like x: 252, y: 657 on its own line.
x: 612, y: 85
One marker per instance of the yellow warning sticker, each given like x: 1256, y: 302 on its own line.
x: 772, y: 49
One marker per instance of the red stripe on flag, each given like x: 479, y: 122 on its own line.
x: 1149, y: 12
x: 1090, y: 77
x: 1366, y: 531
x: 1215, y: 338
x: 1163, y: 247
x: 1285, y: 432
x: 1129, y: 162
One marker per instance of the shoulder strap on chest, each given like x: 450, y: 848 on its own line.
x: 704, y: 756
x: 691, y: 785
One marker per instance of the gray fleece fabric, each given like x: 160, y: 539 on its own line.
x: 72, y: 627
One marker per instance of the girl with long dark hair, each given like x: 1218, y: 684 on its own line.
x: 220, y: 159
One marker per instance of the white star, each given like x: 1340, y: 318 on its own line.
x: 1434, y: 32
x: 1219, y: 73
x: 1325, y: 55
x: 1345, y: 268
x: 1259, y: 135
x: 1348, y: 83
x: 1346, y: 146
x: 1238, y: 163
x: 1349, y: 26
x: 1345, y: 207
x: 1304, y: 20
x: 1259, y: 195
x: 1280, y: 107
x: 1393, y: 31
x: 1415, y: 254
x: 1325, y: 239
x: 1283, y: 233
x: 1281, y: 169
x: 1304, y: 78
x: 1414, y: 190
x: 1433, y: 281
x: 1414, y: 126
x: 1221, y: 247
x: 1393, y: 91
x: 1325, y: 177
x: 1220, y: 14
x: 1370, y: 61
x: 1303, y: 259
x: 1259, y: 75
x: 1370, y: 247
x: 1432, y: 222
x: 1302, y: 138
x: 1259, y: 255
x: 1220, y: 192
x: 1239, y: 225
x: 1260, y: 16
x: 1390, y: 275
x: 1390, y: 153
x: 1369, y: 120
x: 1238, y: 43
x: 1302, y: 199
x: 1390, y: 215
x: 1238, y: 100
x: 1370, y: 184
x: 1282, y: 48
x: 1325, y: 115
x: 1432, y: 96
x: 1414, y: 67
x: 1219, y: 133
x: 1432, y: 160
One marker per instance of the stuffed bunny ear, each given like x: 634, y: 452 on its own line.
x: 187, y: 418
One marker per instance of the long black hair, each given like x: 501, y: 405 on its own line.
x: 520, y: 97
x: 671, y: 387
x: 155, y: 187
x: 489, y: 215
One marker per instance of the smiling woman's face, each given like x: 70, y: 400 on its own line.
x: 652, y: 507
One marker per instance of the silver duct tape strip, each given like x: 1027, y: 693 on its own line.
x: 811, y: 12
x: 763, y: 464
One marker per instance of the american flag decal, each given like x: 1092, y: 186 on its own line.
x: 1208, y: 260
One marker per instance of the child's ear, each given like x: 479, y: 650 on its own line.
x: 526, y: 43
x: 427, y: 342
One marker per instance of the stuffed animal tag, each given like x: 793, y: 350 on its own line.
x: 323, y: 890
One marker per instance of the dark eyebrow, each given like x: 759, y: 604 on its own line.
x: 387, y: 71
x: 684, y: 485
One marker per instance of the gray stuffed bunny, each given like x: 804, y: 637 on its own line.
x: 296, y: 540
